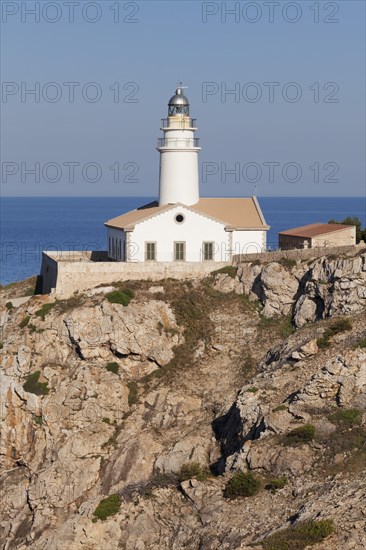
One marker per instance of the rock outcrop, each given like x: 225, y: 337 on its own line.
x: 99, y: 399
x: 308, y: 291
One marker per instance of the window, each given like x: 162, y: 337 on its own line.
x: 208, y: 251
x: 109, y: 247
x: 179, y: 251
x: 150, y: 251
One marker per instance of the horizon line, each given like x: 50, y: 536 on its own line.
x: 204, y: 196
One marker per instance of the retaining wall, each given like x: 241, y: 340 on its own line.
x: 63, y: 273
x: 298, y: 253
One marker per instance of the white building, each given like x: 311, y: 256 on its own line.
x: 181, y: 226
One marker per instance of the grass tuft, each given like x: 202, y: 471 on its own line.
x: 302, y: 434
x: 360, y: 344
x: 24, y: 322
x: 112, y: 367
x: 347, y: 417
x: 282, y: 407
x: 122, y: 297
x: 282, y: 325
x: 276, y: 483
x: 133, y: 393
x: 300, y: 536
x: 193, y: 469
x: 107, y: 507
x: 227, y: 270
x: 32, y: 384
x: 242, y: 484
x: 287, y: 262
x: 342, y: 325
x: 44, y: 310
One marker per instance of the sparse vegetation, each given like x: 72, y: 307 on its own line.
x: 276, y: 483
x: 242, y: 484
x: 32, y: 384
x: 133, y: 393
x: 193, y: 469
x: 24, y: 322
x: 9, y: 305
x: 227, y: 270
x: 30, y: 291
x: 169, y: 331
x: 38, y: 420
x: 191, y: 308
x: 282, y: 324
x: 347, y: 417
x: 251, y: 305
x: 342, y: 325
x: 248, y: 364
x: 107, y: 507
x: 122, y: 297
x: 106, y: 420
x: 32, y: 328
x: 112, y: 367
x: 1, y: 345
x: 157, y: 481
x: 112, y: 441
x: 300, y: 536
x: 302, y: 434
x: 5, y: 287
x: 287, y: 262
x: 346, y: 446
x: 253, y: 389
x: 282, y: 407
x: 71, y: 303
x: 287, y: 328
x: 44, y: 310
x: 360, y: 344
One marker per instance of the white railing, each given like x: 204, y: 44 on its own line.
x: 178, y: 143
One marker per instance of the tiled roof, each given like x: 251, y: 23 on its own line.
x: 314, y: 229
x: 235, y: 213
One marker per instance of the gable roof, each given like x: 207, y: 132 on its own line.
x: 314, y: 229
x: 234, y: 213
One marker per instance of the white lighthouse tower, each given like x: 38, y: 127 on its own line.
x: 182, y: 226
x: 178, y: 177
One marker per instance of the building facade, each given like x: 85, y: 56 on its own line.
x: 317, y: 235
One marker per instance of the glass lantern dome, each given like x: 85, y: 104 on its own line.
x: 178, y: 104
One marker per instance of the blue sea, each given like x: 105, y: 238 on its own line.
x: 30, y: 225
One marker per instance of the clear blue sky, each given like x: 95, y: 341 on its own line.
x: 171, y: 41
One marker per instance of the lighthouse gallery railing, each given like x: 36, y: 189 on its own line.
x: 178, y: 142
x: 178, y: 122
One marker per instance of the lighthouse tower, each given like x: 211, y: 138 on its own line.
x: 178, y: 178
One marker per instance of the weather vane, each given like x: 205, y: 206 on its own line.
x: 180, y: 85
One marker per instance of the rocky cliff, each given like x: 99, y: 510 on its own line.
x: 157, y: 395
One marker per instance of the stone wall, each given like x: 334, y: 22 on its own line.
x: 64, y: 273
x: 338, y: 237
x: 298, y: 254
x: 342, y: 237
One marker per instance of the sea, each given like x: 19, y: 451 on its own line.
x: 32, y: 224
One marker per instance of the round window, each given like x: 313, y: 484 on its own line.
x: 179, y: 218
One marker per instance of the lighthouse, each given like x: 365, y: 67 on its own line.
x: 181, y: 226
x: 178, y: 174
